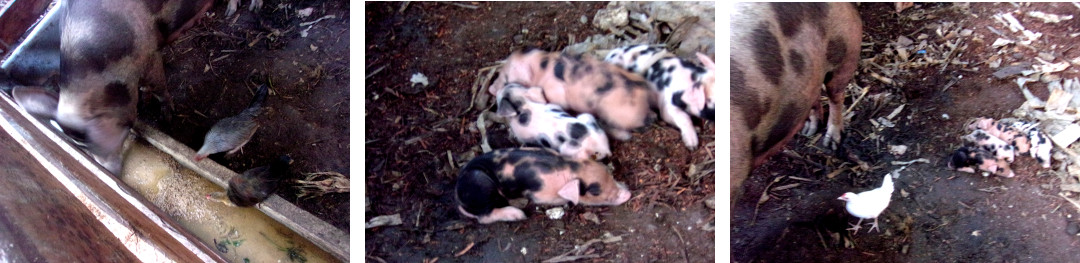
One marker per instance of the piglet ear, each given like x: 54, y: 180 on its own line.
x: 505, y: 108
x: 571, y: 191
x: 497, y: 85
x: 536, y: 94
x: 705, y: 60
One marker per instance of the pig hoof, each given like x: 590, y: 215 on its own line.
x: 691, y: 140
x: 620, y: 134
x: 809, y: 128
x: 831, y: 142
x: 508, y: 213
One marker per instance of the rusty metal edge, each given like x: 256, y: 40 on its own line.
x: 322, y: 234
x: 114, y: 198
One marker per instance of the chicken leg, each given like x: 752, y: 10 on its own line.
x: 856, y: 226
x: 874, y: 226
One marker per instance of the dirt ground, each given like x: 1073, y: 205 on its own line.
x: 935, y: 214
x: 411, y: 130
x: 214, y: 69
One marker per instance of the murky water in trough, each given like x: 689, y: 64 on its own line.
x: 241, y: 234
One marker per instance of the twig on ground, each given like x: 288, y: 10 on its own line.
x: 682, y: 242
x: 763, y: 199
x: 1073, y: 202
x: 920, y: 160
x: 376, y: 259
x: 565, y: 257
x: 479, y: 83
x: 466, y: 250
x: 861, y: 96
x: 462, y: 5
x: 483, y: 134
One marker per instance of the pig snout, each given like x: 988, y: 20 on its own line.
x: 1003, y: 169
x: 109, y: 48
x: 775, y: 81
x: 598, y: 187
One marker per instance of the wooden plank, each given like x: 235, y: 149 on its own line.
x: 17, y: 20
x: 41, y: 221
x: 116, y: 201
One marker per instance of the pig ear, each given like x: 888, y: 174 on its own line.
x: 36, y: 101
x: 536, y: 94
x: 705, y: 60
x: 567, y: 147
x: 505, y: 108
x: 571, y: 191
x: 497, y: 85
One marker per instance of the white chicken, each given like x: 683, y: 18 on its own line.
x: 869, y: 204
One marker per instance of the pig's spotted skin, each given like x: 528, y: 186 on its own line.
x: 583, y: 84
x: 116, y: 95
x: 968, y: 159
x: 781, y: 55
x: 112, y: 45
x: 681, y: 86
x: 792, y: 16
x: 835, y: 51
x: 767, y: 53
x: 545, y: 125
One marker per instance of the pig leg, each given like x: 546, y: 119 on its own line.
x: 810, y: 127
x: 617, y: 133
x: 681, y: 120
x: 231, y: 8
x: 836, y: 83
x: 740, y: 156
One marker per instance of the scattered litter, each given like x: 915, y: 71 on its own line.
x: 317, y: 20
x: 333, y: 182
x: 384, y: 220
x: 1000, y: 42
x: 1067, y: 136
x: 897, y: 149
x: 590, y: 216
x: 1049, y: 18
x: 578, y: 251
x: 419, y: 78
x: 920, y: 160
x: 555, y: 213
x: 304, y: 12
x: 945, y: 116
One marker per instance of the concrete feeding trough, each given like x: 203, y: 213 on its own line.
x: 148, y: 219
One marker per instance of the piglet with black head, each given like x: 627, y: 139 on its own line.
x: 486, y: 183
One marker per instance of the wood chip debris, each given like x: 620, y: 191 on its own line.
x: 384, y: 220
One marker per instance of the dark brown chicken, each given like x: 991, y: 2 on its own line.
x: 254, y: 185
